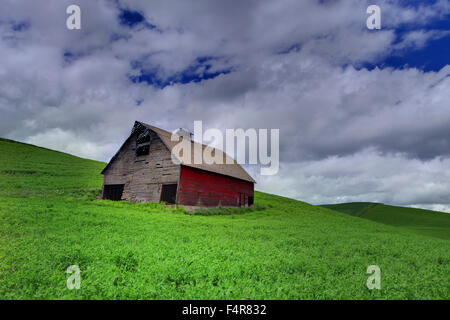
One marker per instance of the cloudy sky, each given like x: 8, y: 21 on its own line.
x: 364, y: 115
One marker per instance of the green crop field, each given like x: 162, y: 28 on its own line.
x: 50, y: 219
x: 432, y: 223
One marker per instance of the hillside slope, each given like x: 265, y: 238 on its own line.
x: 49, y: 220
x: 427, y: 222
x: 29, y: 170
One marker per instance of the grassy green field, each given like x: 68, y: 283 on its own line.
x: 49, y: 219
x: 431, y: 223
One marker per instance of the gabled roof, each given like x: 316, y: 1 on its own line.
x: 234, y: 170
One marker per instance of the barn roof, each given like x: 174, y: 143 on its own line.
x: 234, y: 170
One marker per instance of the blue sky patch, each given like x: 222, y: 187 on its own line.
x: 70, y: 57
x: 130, y: 18
x: 20, y: 26
x: 133, y: 18
x: 432, y: 57
x: 198, y: 71
x: 416, y: 3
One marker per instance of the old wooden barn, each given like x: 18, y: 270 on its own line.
x: 142, y: 170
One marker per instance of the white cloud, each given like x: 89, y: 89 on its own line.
x: 366, y: 176
x: 66, y: 141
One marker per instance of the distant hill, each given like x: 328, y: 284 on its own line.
x: 352, y: 208
x: 432, y: 223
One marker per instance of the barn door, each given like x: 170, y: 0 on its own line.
x: 243, y: 200
x: 169, y: 193
x: 113, y: 191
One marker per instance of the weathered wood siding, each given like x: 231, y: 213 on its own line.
x: 142, y: 176
x: 207, y: 189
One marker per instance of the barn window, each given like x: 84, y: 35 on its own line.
x: 169, y: 193
x: 142, y: 150
x: 143, y: 138
x: 113, y: 192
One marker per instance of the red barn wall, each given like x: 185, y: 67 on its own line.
x: 202, y: 188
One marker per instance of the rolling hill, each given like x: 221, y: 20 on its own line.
x: 50, y: 219
x: 427, y: 222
